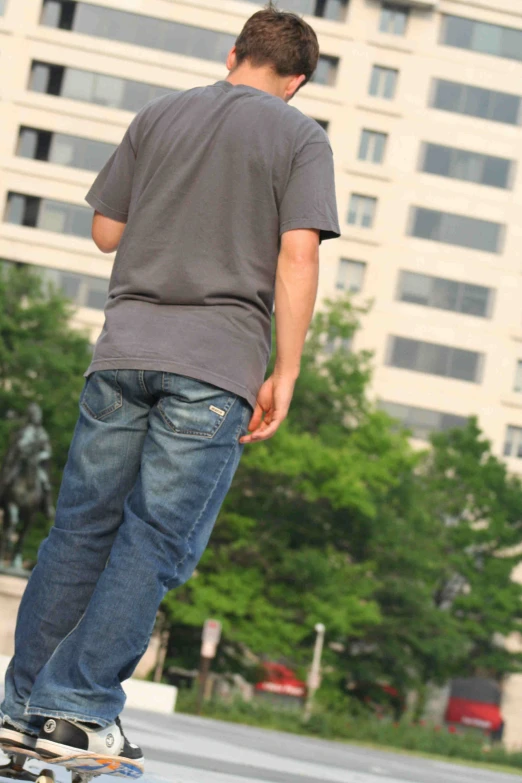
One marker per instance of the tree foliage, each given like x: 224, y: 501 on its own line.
x: 338, y: 520
x: 42, y: 359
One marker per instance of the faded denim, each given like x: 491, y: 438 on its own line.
x: 152, y: 458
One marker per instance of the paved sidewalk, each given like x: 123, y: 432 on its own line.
x: 185, y: 749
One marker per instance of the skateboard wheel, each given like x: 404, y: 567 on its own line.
x: 46, y: 776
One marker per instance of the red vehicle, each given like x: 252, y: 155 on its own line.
x: 280, y: 684
x: 475, y: 702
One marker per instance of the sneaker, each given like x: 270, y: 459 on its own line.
x: 64, y: 739
x: 12, y: 737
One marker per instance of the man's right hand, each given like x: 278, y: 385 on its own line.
x: 273, y: 402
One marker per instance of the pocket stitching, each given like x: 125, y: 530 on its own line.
x: 106, y: 411
x: 197, y: 433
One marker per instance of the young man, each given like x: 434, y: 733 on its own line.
x: 216, y: 200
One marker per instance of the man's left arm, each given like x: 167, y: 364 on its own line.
x: 110, y: 195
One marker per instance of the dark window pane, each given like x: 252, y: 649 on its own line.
x: 326, y: 72
x: 444, y: 294
x: 467, y: 165
x: 475, y: 300
x: 448, y: 95
x: 78, y: 85
x: 70, y: 284
x: 108, y: 90
x: 433, y: 359
x: 457, y: 230
x: 487, y: 38
x: 63, y: 218
x: 27, y: 143
x: 437, y: 160
x: 414, y: 288
x: 22, y: 210
x: 464, y: 365
x: 15, y: 209
x: 80, y: 221
x: 511, y: 45
x: 79, y: 153
x: 2, y: 7
x: 332, y: 9
x: 449, y: 421
x: 40, y: 74
x: 477, y: 102
x: 505, y: 108
x: 457, y: 32
x: 97, y: 293
x: 427, y: 223
x: 393, y: 19
x: 496, y: 172
x: 405, y: 353
x: 56, y: 13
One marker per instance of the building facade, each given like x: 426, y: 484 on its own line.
x: 422, y: 103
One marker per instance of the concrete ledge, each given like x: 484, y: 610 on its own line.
x: 153, y: 696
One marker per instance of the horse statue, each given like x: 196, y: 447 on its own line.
x: 25, y: 488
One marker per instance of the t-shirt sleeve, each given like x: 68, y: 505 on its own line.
x: 309, y: 200
x: 112, y: 189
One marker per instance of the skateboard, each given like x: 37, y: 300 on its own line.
x: 84, y: 768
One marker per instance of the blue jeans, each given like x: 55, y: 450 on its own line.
x: 152, y: 458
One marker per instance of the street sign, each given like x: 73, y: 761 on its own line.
x: 211, y: 638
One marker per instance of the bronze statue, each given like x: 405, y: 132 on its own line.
x: 25, y: 488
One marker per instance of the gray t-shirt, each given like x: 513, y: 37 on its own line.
x: 207, y: 180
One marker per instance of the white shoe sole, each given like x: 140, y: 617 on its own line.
x: 17, y: 738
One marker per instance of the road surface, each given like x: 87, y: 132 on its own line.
x: 185, y: 749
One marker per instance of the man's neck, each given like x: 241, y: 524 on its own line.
x: 260, y: 78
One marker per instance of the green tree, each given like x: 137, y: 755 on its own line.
x: 42, y: 359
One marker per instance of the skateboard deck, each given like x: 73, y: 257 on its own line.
x: 83, y: 767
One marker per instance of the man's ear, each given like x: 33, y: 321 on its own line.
x: 293, y: 86
x: 232, y: 59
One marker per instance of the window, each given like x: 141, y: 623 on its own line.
x: 326, y: 9
x: 136, y: 29
x: 92, y: 87
x: 457, y: 230
x: 2, y: 7
x: 476, y: 102
x: 371, y: 146
x: 422, y: 421
x: 394, y: 19
x: 82, y: 290
x: 362, y: 210
x: 383, y: 82
x: 325, y: 124
x: 469, y: 166
x: 49, y: 215
x: 155, y: 33
x: 445, y: 294
x: 518, y: 377
x: 63, y: 149
x: 513, y: 442
x: 350, y: 275
x: 435, y: 359
x: 335, y: 344
x: 482, y: 37
x: 326, y: 72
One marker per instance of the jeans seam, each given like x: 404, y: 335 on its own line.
x: 143, y: 385
x: 209, y: 497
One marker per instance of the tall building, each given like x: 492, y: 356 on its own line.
x: 422, y: 103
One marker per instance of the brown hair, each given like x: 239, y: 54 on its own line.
x: 282, y: 40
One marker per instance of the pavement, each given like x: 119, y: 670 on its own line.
x: 185, y: 749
